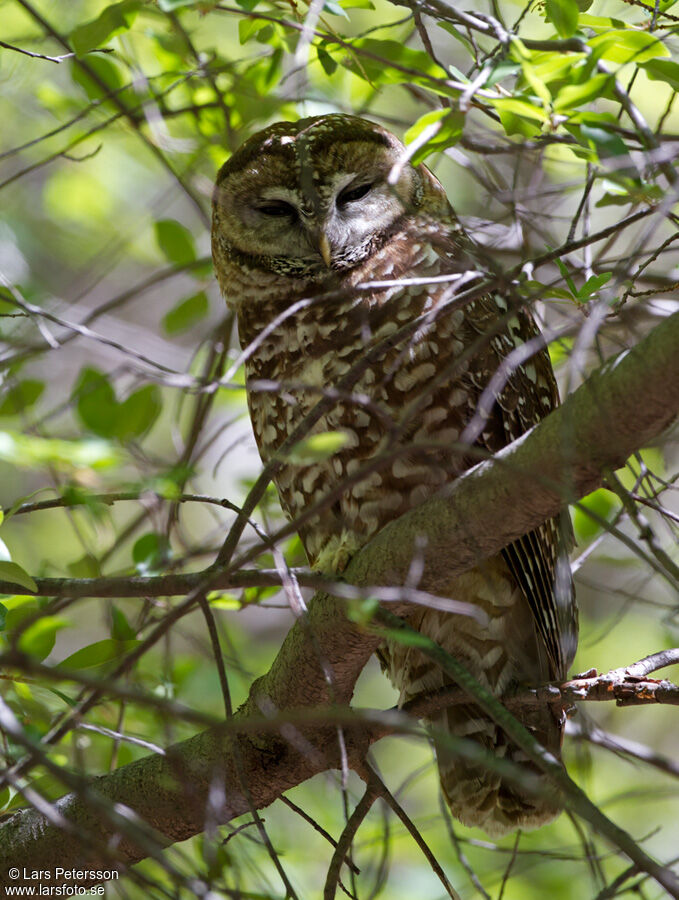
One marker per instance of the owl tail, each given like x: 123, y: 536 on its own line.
x: 481, y: 796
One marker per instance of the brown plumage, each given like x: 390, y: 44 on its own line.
x: 307, y: 218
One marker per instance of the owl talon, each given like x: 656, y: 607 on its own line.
x: 335, y: 556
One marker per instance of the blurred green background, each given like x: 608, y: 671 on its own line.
x: 116, y: 343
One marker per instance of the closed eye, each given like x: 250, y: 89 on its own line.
x: 277, y: 208
x: 352, y: 193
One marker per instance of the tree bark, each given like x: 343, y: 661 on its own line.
x: 620, y: 409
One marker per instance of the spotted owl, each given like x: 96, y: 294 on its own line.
x: 350, y: 276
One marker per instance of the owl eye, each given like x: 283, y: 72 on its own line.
x: 350, y: 194
x: 277, y: 208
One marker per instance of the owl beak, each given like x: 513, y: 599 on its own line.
x: 324, y: 248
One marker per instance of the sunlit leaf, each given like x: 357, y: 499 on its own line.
x: 38, y: 639
x: 390, y: 62
x: 520, y: 108
x: 573, y: 95
x: 29, y: 452
x: 624, y: 46
x: 563, y: 14
x: 593, y: 284
x: 171, y: 5
x: 220, y: 600
x: 318, y: 447
x: 446, y: 128
x: 248, y: 28
x: 653, y: 461
x: 602, y: 503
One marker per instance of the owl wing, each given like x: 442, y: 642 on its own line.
x: 538, y: 559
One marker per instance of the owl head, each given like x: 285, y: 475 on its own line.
x: 312, y: 197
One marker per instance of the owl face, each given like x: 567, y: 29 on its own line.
x: 313, y: 196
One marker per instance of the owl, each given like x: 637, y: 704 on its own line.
x: 349, y: 274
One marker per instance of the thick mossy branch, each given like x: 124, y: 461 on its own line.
x: 620, y: 409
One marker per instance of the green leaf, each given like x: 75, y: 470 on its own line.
x: 19, y: 608
x: 419, y: 65
x: 220, y: 600
x: 607, y: 143
x: 454, y: 32
x: 111, y: 21
x: 85, y: 567
x: 248, y: 28
x: 5, y: 555
x: 600, y: 24
x: 566, y: 276
x: 551, y: 66
x: 121, y: 630
x: 573, y: 95
x: 38, y: 639
x: 136, y: 415
x: 603, y: 503
x: 28, y: 452
x: 520, y: 108
x: 653, y: 460
x: 446, y: 129
x: 663, y: 70
x: 100, y: 653
x: 505, y: 68
x: 97, y: 406
x: 175, y: 241
x: 328, y: 64
x: 539, y: 87
x: 151, y: 553
x: 317, y: 447
x: 106, y: 72
x: 11, y: 571
x: 593, y: 284
x: 536, y: 290
x: 626, y: 45
x: 629, y: 190
x: 563, y: 14
x: 21, y: 396
x: 185, y: 314
x: 100, y: 411
x: 171, y: 5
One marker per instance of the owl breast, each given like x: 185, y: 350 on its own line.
x: 398, y: 419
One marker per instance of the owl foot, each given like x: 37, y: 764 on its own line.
x: 335, y: 556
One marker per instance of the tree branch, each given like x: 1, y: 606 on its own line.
x: 620, y: 409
